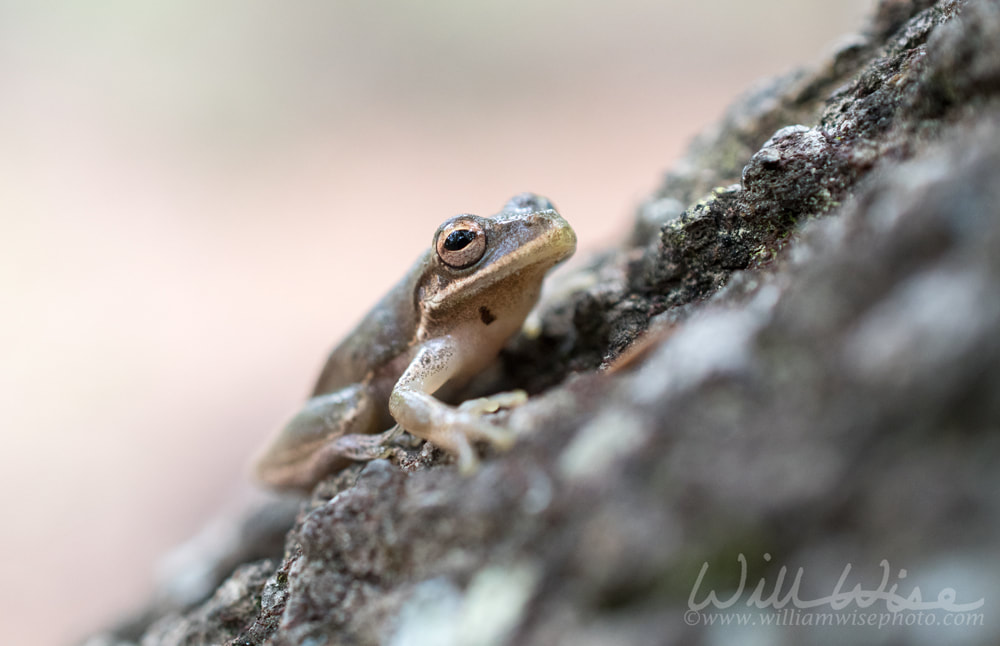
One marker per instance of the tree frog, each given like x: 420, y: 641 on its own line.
x: 442, y: 324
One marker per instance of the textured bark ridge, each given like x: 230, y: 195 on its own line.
x: 794, y: 357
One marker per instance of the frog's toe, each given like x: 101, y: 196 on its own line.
x: 457, y: 437
x: 493, y: 403
x: 468, y: 463
x: 501, y: 438
x: 460, y: 442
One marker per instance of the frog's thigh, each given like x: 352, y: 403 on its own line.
x: 307, y: 447
x: 416, y: 410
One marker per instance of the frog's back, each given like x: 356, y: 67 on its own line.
x: 381, y: 336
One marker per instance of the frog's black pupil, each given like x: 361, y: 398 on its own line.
x: 459, y: 239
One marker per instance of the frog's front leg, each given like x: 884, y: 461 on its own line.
x: 449, y: 427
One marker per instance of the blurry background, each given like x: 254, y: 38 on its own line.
x: 197, y: 199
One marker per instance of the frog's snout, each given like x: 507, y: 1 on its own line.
x: 560, y: 236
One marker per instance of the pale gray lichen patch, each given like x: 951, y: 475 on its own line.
x: 438, y: 613
x: 715, y: 344
x: 429, y: 616
x: 612, y: 434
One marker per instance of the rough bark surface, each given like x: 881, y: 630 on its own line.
x: 794, y: 357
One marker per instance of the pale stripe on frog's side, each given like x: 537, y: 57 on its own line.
x: 444, y: 322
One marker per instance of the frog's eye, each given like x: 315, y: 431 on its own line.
x: 461, y: 243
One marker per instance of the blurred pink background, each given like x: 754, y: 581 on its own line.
x: 197, y: 200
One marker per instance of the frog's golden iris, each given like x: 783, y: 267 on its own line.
x: 461, y: 242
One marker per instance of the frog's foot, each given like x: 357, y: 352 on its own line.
x: 493, y: 403
x: 459, y: 430
x: 368, y: 447
x: 451, y: 428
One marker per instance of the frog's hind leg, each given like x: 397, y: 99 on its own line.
x: 330, y: 431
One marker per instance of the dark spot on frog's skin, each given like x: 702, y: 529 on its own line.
x: 486, y: 315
